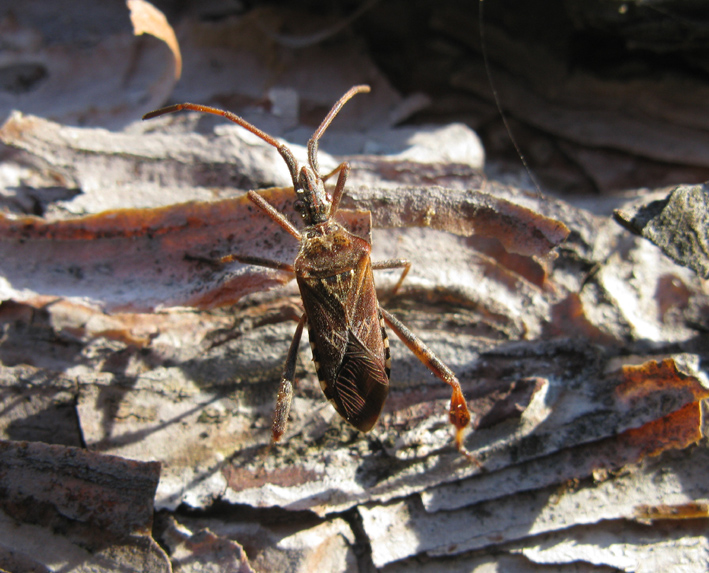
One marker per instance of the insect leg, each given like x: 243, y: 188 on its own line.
x: 337, y: 169
x: 394, y: 264
x: 285, y: 392
x: 344, y: 169
x: 257, y: 262
x: 459, y: 414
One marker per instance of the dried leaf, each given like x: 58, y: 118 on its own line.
x: 147, y: 19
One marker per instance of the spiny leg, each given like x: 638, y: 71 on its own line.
x: 459, y: 414
x: 394, y: 264
x: 285, y: 392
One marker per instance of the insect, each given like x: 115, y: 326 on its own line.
x: 333, y: 269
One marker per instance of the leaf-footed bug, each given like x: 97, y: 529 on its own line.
x: 334, y: 274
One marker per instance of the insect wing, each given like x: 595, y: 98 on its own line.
x: 349, y: 343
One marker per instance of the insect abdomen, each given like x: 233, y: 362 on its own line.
x: 349, y: 344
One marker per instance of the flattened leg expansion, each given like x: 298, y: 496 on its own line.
x: 459, y: 414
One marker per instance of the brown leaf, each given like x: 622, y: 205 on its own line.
x: 147, y: 19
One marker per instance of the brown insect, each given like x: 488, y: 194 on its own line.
x: 334, y: 273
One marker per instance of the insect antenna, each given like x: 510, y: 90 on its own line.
x: 314, y: 140
x: 282, y: 149
x: 308, y: 183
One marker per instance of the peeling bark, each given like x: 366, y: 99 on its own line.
x: 581, y: 348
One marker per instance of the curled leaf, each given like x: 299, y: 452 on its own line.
x: 147, y: 19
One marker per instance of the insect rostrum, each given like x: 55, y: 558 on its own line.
x: 346, y: 324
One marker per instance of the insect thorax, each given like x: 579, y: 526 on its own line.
x: 328, y: 249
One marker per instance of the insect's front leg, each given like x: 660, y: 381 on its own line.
x: 344, y: 171
x: 459, y: 414
x: 394, y: 264
x: 342, y: 167
x: 285, y: 392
